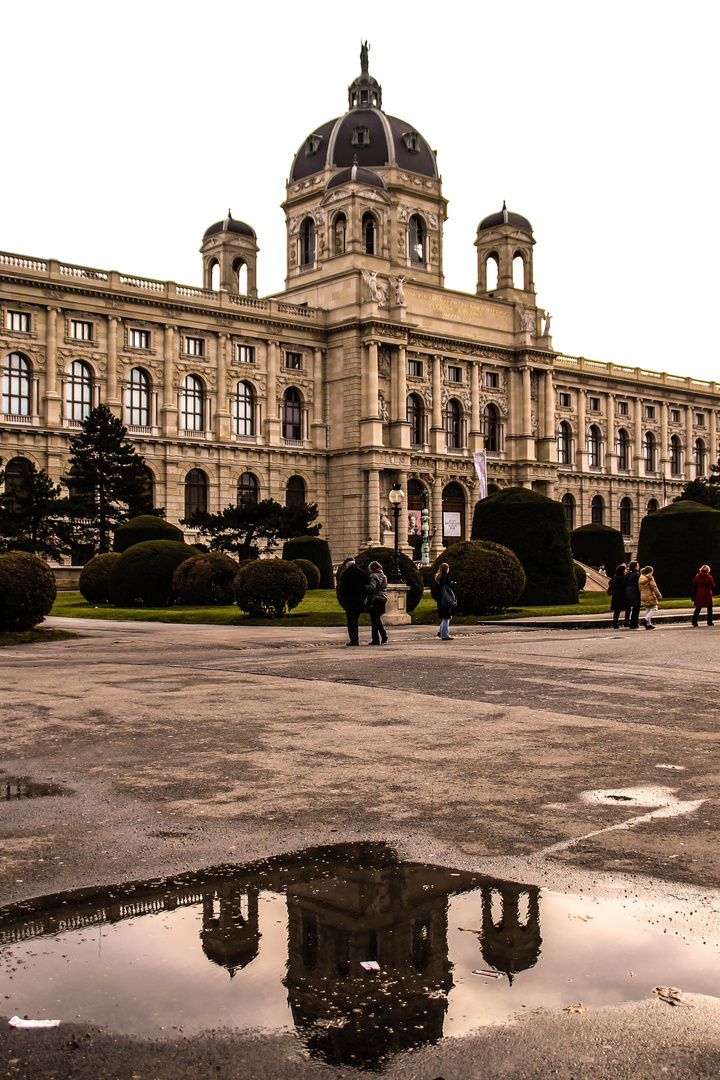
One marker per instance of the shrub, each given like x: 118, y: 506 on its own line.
x: 27, y: 590
x: 205, y: 579
x: 534, y: 527
x: 676, y: 541
x: 426, y: 573
x: 489, y: 576
x: 143, y: 575
x: 315, y: 550
x: 267, y: 588
x: 580, y: 576
x: 408, y: 571
x: 146, y: 527
x: 598, y: 545
x: 310, y: 571
x: 95, y: 576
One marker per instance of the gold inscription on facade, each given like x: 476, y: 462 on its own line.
x: 457, y: 307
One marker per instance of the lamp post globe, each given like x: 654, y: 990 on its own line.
x: 396, y: 496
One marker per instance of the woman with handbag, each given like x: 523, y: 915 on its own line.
x: 447, y: 601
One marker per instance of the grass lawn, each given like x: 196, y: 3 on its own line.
x: 28, y: 637
x: 318, y: 608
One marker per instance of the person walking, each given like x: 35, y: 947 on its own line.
x: 703, y: 588
x: 446, y: 602
x: 649, y: 596
x: 351, y: 595
x: 632, y: 596
x: 377, y: 599
x: 616, y: 588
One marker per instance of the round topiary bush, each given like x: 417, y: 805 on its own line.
x: 598, y: 545
x: 205, y: 579
x: 142, y: 576
x: 315, y: 550
x: 489, y: 577
x: 95, y: 576
x: 580, y: 576
x: 408, y: 571
x: 310, y: 571
x: 676, y: 541
x: 267, y: 588
x: 534, y: 527
x: 139, y: 530
x: 27, y: 590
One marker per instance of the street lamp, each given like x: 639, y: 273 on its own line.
x: 396, y: 497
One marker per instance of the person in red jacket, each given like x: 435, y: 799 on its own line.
x: 703, y: 588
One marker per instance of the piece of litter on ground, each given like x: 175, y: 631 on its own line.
x: 679, y: 768
x: 370, y: 965
x: 469, y: 930
x: 488, y: 974
x: 19, y: 1022
x: 672, y: 995
x: 574, y: 1008
x: 580, y: 918
x: 330, y: 1024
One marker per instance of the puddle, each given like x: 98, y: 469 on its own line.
x: 361, y: 955
x: 21, y: 787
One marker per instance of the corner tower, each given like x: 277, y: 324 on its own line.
x: 231, y: 246
x: 506, y: 240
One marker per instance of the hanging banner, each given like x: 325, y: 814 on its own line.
x: 481, y: 470
x: 452, y: 523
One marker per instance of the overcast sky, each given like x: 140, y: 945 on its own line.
x: 129, y: 128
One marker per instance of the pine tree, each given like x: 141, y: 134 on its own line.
x: 107, y: 479
x: 236, y: 528
x: 33, y: 512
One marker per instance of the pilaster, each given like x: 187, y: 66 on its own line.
x: 51, y: 399
x: 169, y: 409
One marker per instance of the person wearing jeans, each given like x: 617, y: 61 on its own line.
x: 445, y: 609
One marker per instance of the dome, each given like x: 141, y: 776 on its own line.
x: 355, y: 175
x: 230, y: 224
x: 505, y: 217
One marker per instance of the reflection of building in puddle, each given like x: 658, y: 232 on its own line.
x: 230, y: 933
x: 510, y: 940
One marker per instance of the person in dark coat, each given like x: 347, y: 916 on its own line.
x: 632, y: 596
x: 617, y: 593
x: 351, y: 594
x: 445, y: 610
x: 377, y: 600
x: 703, y: 588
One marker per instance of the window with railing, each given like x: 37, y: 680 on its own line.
x: 622, y: 449
x: 626, y: 508
x: 593, y: 446
x: 454, y: 427
x: 17, y: 383
x: 78, y: 391
x: 244, y: 410
x: 137, y: 399
x: 675, y: 456
x: 291, y: 416
x: 564, y: 443
x: 415, y: 415
x: 192, y: 404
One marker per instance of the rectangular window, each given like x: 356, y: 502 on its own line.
x: 17, y: 320
x: 81, y: 331
x: 139, y: 339
x: 622, y: 408
x: 293, y: 360
x: 454, y: 374
x: 700, y: 419
x: 564, y: 401
x: 675, y: 416
x: 246, y: 354
x: 415, y: 368
x: 194, y: 346
x: 492, y: 380
x: 649, y: 412
x: 594, y: 404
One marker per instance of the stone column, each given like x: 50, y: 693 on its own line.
x: 664, y: 440
x: 436, y: 519
x: 370, y: 381
x: 318, y: 427
x: 112, y: 400
x: 610, y: 454
x: 638, y: 438
x: 372, y: 523
x: 169, y: 409
x: 400, y: 429
x: 689, y: 448
x: 526, y: 402
x: 581, y: 447
x: 549, y: 427
x: 51, y: 397
x: 713, y: 447
x: 272, y: 420
x: 477, y: 436
x: 221, y: 419
x: 437, y: 433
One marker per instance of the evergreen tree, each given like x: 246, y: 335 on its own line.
x: 236, y: 528
x: 107, y: 479
x: 33, y: 513
x: 703, y: 491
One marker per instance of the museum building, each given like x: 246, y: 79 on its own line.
x: 365, y: 371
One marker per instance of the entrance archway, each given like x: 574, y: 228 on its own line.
x: 414, y: 507
x: 453, y: 514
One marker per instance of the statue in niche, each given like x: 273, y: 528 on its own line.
x: 397, y: 284
x: 377, y: 292
x: 546, y: 328
x: 528, y: 322
x: 385, y: 525
x: 383, y: 409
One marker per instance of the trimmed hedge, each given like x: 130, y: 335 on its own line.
x: 139, y: 530
x: 267, y: 588
x: 676, y: 541
x: 598, y: 545
x: 143, y: 575
x: 95, y: 577
x: 580, y: 576
x: 534, y: 527
x: 27, y: 590
x: 408, y: 570
x: 315, y: 550
x: 206, y: 579
x: 310, y: 571
x: 489, y: 577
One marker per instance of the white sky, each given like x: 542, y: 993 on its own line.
x: 129, y: 128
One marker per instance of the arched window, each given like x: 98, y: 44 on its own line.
x: 292, y: 414
x: 414, y: 416
x: 340, y: 234
x: 307, y: 242
x: 295, y: 492
x: 700, y: 457
x: 16, y: 385
x: 518, y: 268
x: 240, y: 272
x: 564, y: 443
x: 491, y: 429
x: 149, y: 485
x: 626, y: 516
x: 244, y: 409
x: 453, y: 425
x: 492, y: 270
x: 675, y: 456
x: 214, y: 275
x: 622, y: 448
x: 368, y: 232
x: 416, y: 240
x: 196, y: 489
x: 137, y: 399
x: 247, y: 488
x: 652, y: 506
x: 568, y: 505
x: 649, y: 451
x: 597, y: 510
x: 16, y: 481
x: 78, y: 391
x: 593, y: 446
x: 192, y: 404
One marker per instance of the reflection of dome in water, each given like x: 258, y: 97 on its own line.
x: 510, y: 945
x: 230, y: 934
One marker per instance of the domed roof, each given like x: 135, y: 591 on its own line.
x: 230, y: 224
x: 355, y: 175
x: 505, y: 217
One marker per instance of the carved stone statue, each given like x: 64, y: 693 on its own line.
x: 546, y: 328
x: 383, y: 409
x: 397, y: 284
x: 377, y: 292
x: 528, y: 321
x: 385, y: 525
x: 364, y: 50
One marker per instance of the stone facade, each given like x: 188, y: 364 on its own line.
x: 365, y: 371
